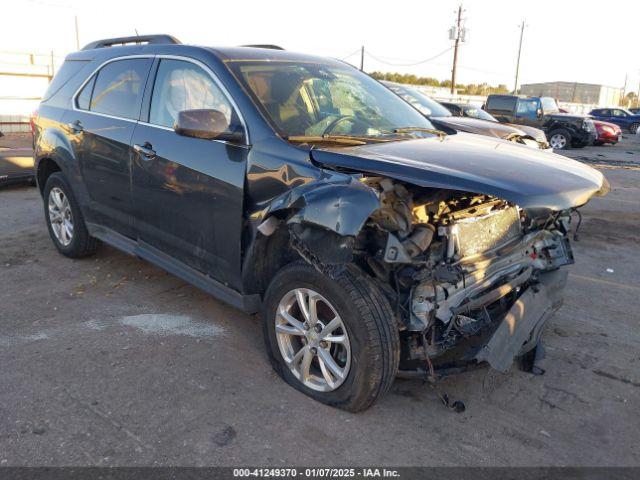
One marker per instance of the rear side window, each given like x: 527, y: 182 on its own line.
x: 67, y: 71
x: 504, y: 104
x: 118, y: 87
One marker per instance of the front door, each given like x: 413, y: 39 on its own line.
x: 620, y: 118
x: 102, y: 123
x: 188, y: 192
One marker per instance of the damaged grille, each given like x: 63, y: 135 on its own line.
x: 479, y: 234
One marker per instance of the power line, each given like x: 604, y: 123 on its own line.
x: 351, y: 54
x: 378, y: 59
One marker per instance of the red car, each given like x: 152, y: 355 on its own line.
x: 607, y: 133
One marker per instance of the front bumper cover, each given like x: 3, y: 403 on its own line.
x: 522, y: 325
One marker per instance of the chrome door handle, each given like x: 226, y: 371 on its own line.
x: 75, y: 127
x: 145, y: 150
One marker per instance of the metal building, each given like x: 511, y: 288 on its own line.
x: 575, y: 92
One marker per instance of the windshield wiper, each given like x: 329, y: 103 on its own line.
x: 432, y: 131
x: 338, y: 139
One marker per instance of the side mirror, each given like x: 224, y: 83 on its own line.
x: 207, y: 124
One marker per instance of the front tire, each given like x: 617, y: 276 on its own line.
x: 633, y: 128
x: 64, y: 219
x: 334, y: 339
x: 560, y: 139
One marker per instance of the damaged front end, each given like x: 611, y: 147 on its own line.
x: 472, y: 278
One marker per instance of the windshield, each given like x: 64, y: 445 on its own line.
x: 419, y: 100
x: 475, y: 112
x: 315, y: 100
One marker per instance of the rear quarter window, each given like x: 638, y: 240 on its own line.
x: 67, y: 71
x: 83, y: 100
x: 502, y: 104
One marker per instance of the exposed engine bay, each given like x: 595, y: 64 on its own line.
x: 454, y: 265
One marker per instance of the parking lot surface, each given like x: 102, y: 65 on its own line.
x: 111, y: 361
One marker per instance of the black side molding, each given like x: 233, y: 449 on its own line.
x: 138, y: 39
x: 246, y: 303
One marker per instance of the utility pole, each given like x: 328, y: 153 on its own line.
x: 456, y: 34
x: 77, y: 34
x: 362, y: 59
x: 515, y: 87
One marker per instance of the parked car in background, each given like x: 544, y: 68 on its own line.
x: 444, y: 120
x: 562, y: 130
x: 301, y: 188
x: 472, y: 111
x: 625, y: 119
x: 607, y: 133
x: 16, y: 164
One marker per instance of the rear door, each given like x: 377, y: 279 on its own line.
x: 102, y: 121
x: 188, y: 192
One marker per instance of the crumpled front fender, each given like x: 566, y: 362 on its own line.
x: 341, y: 206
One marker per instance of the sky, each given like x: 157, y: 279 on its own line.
x: 566, y: 40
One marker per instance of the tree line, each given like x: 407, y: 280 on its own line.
x: 470, y: 89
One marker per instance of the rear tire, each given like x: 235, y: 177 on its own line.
x: 64, y: 219
x: 560, y: 139
x: 368, y: 324
x: 633, y: 128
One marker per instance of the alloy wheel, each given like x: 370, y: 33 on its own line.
x: 313, y: 340
x: 558, y: 141
x: 60, y: 216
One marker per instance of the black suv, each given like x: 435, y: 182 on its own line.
x: 562, y: 130
x: 301, y: 188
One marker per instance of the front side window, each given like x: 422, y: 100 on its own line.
x: 118, y: 88
x: 305, y: 99
x: 180, y: 86
x: 619, y: 113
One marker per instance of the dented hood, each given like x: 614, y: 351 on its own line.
x: 531, y: 179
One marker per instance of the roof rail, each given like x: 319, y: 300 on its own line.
x: 138, y: 39
x: 270, y: 47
